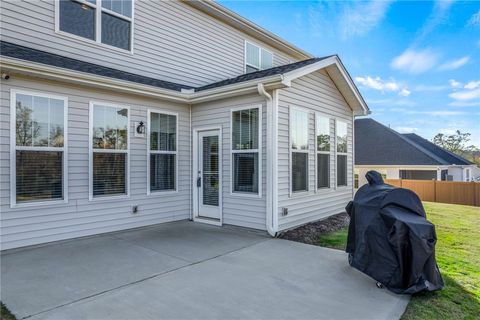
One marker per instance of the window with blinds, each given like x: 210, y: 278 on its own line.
x: 39, y: 164
x: 245, y: 150
x: 322, y: 128
x: 162, y: 152
x: 109, y: 150
x: 257, y: 58
x: 342, y: 149
x: 299, y: 149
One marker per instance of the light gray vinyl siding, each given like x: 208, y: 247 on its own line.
x: 172, y: 41
x: 237, y: 209
x: 81, y: 217
x: 316, y: 93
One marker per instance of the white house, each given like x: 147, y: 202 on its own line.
x: 405, y: 156
x: 116, y: 115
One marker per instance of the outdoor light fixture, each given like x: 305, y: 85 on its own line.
x: 141, y: 128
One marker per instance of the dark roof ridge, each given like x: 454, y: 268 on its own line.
x: 428, y: 153
x: 441, y: 148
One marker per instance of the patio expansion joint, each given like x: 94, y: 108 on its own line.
x: 161, y: 274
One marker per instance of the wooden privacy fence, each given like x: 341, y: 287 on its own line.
x: 467, y: 193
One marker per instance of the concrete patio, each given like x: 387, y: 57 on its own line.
x: 186, y: 270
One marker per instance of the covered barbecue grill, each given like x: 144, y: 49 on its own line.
x: 390, y: 239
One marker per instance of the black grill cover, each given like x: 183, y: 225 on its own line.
x: 390, y: 239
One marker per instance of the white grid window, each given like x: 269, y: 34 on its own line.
x: 323, y: 151
x: 299, y: 150
x: 109, y: 150
x: 38, y: 142
x: 246, y: 146
x: 104, y: 21
x: 162, y: 151
x: 257, y: 58
x: 341, y: 140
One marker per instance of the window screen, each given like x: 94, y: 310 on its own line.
x: 341, y: 170
x: 115, y: 31
x: 110, y: 150
x: 257, y: 58
x: 39, y: 144
x: 323, y: 151
x: 77, y: 18
x: 109, y: 174
x: 163, y: 151
x: 323, y: 170
x: 342, y: 148
x: 299, y: 171
x: 245, y: 150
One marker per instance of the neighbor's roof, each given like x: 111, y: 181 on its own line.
x: 376, y: 144
x: 51, y: 59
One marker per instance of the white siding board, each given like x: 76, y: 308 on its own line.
x: 315, y: 92
x: 81, y: 217
x: 237, y: 210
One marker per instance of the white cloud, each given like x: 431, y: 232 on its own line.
x: 415, y: 62
x: 382, y: 85
x: 406, y: 129
x: 464, y: 104
x: 360, y: 17
x: 448, y: 131
x: 454, y: 83
x: 465, y: 95
x: 438, y: 16
x: 474, y: 20
x: 472, y: 85
x: 421, y: 88
x: 454, y: 64
x: 404, y: 92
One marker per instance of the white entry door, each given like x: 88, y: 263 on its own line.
x: 208, y: 168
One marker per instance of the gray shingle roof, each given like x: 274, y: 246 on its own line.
x: 51, y: 59
x: 376, y: 144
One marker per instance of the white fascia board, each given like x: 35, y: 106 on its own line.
x: 322, y: 64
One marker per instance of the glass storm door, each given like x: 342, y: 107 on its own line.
x: 208, y: 179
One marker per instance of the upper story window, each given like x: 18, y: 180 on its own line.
x: 257, y: 58
x: 342, y: 149
x: 299, y: 149
x: 38, y: 151
x: 103, y: 21
x: 246, y: 146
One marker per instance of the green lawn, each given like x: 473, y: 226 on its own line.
x: 458, y: 256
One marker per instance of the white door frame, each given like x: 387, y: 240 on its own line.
x: 196, y: 216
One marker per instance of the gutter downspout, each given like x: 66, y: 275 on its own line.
x: 272, y: 212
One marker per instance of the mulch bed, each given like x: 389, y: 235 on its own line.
x: 311, y: 232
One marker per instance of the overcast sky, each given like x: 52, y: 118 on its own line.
x: 417, y: 64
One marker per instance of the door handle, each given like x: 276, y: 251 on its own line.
x: 199, y: 182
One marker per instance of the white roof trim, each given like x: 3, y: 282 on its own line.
x: 360, y: 106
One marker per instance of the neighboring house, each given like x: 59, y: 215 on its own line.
x: 405, y: 156
x: 123, y: 114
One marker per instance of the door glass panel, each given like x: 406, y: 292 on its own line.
x: 210, y: 171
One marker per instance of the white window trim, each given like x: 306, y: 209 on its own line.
x: 149, y: 152
x: 14, y: 148
x: 317, y: 116
x: 260, y: 48
x: 290, y: 151
x: 340, y: 153
x: 98, y: 26
x: 91, y: 150
x: 258, y: 151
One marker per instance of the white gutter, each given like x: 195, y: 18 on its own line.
x: 272, y: 210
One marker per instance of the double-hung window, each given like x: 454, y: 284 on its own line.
x: 162, y: 152
x: 103, y: 21
x: 39, y: 131
x: 257, y: 58
x: 322, y: 126
x: 246, y: 146
x: 342, y: 149
x: 299, y: 149
x: 109, y: 150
